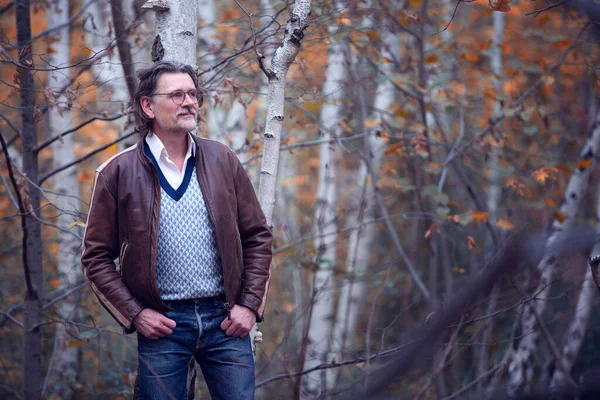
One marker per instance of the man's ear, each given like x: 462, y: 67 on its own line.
x: 147, y: 107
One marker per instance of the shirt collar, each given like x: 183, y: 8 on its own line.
x: 158, y: 149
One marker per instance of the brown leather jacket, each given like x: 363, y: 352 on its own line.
x: 123, y: 223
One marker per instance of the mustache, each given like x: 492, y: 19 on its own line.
x: 187, y: 110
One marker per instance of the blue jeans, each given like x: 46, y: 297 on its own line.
x: 226, y: 362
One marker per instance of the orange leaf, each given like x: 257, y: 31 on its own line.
x: 458, y: 270
x: 542, y: 20
x: 560, y: 217
x: 481, y: 216
x: 428, y: 233
x: 544, y: 173
x: 344, y: 126
x: 584, y: 164
x: 415, y: 3
x: 550, y: 203
x: 470, y: 242
x: 472, y: 57
x: 504, y: 224
x: 432, y: 58
x: 485, y: 46
x: 371, y: 123
x: 564, y: 168
x: 500, y: 5
x: 561, y: 44
x: 54, y: 283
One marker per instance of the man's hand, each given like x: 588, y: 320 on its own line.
x: 153, y: 324
x: 242, y: 320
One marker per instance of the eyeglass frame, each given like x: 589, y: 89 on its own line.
x: 198, y: 101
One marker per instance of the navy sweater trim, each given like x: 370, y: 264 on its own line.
x: 189, y: 168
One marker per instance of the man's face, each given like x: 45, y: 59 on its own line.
x: 171, y: 118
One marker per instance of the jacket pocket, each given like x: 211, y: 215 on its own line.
x: 122, y: 254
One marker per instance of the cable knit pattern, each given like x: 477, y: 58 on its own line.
x: 188, y: 265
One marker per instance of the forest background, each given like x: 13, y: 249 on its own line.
x: 419, y: 138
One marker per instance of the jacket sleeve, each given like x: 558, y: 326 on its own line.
x: 100, y: 249
x: 256, y: 241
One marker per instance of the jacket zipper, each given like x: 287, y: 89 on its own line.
x: 122, y: 253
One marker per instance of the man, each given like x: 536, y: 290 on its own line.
x: 194, y: 249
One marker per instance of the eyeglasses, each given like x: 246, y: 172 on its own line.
x: 178, y: 96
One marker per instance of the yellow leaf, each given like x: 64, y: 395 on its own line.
x: 415, y: 3
x: 560, y: 217
x: 550, y: 203
x: 584, y: 164
x: 470, y: 242
x: 76, y: 223
x: 500, y: 5
x: 481, y: 216
x: 504, y: 224
x: 432, y: 58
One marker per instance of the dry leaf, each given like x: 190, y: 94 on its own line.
x: 550, y: 203
x: 504, y: 224
x: 481, y: 216
x: 560, y: 217
x: 584, y: 164
x: 470, y: 242
x: 544, y: 173
x: 500, y: 5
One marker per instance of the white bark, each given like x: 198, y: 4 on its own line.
x: 520, y: 368
x: 353, y: 291
x: 63, y: 374
x: 282, y: 59
x: 325, y: 221
x: 176, y: 30
x: 494, y: 191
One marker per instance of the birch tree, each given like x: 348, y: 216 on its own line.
x: 579, y: 323
x: 64, y: 364
x: 325, y: 220
x: 520, y: 368
x: 280, y: 64
x: 495, y: 189
x: 353, y: 290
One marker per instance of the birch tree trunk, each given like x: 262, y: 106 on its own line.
x: 520, y: 368
x: 176, y: 31
x: 282, y: 59
x: 353, y: 291
x: 325, y: 220
x: 32, y: 239
x: 494, y: 192
x: 581, y: 316
x: 66, y: 359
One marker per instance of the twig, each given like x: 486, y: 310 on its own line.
x: 80, y: 159
x: 81, y: 125
x: 453, y: 14
x: 13, y: 319
x: 551, y: 6
x: 28, y: 283
x: 270, y: 74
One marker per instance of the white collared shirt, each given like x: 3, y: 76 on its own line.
x: 173, y: 175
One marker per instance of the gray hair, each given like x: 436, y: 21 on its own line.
x: 149, y: 79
